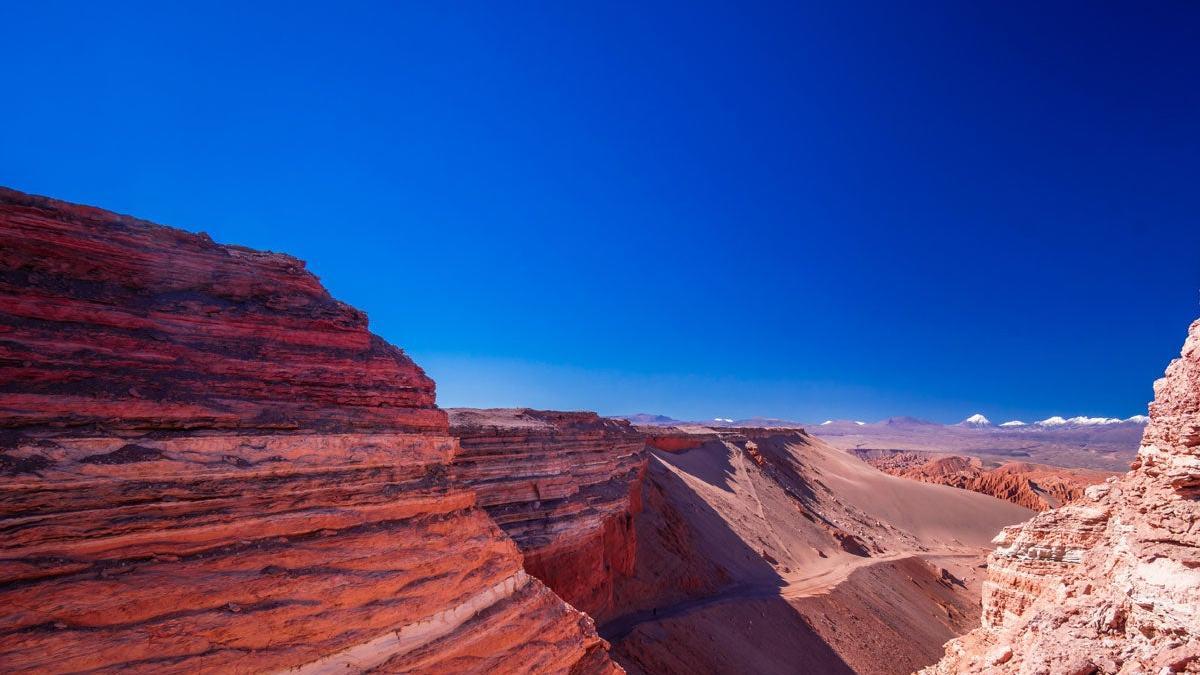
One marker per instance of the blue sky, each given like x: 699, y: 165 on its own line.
x: 696, y: 209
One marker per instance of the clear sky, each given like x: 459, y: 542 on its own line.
x: 802, y: 210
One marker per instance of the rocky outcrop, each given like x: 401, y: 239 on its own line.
x: 1110, y: 584
x: 565, y: 486
x: 1034, y: 486
x: 207, y: 464
x: 1028, y: 558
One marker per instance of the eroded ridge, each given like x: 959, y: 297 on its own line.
x: 1110, y: 584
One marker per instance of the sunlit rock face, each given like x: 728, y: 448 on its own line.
x: 565, y: 486
x: 207, y: 464
x: 1109, y: 584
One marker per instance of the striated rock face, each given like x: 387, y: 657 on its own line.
x: 117, y: 323
x: 1028, y: 558
x: 565, y: 486
x: 672, y: 439
x: 1110, y: 584
x: 1034, y: 486
x: 209, y: 465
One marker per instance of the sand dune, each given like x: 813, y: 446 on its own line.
x: 766, y: 523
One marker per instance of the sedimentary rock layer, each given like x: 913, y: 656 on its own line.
x: 209, y: 465
x: 1110, y: 583
x: 1034, y: 486
x: 116, y: 323
x: 672, y: 439
x: 564, y: 486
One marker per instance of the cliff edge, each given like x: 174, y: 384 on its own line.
x: 1111, y: 583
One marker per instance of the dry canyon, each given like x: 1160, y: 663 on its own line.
x: 208, y: 464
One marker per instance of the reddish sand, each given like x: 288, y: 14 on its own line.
x: 785, y: 544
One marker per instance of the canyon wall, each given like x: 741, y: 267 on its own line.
x: 209, y: 464
x: 565, y: 486
x: 1109, y: 584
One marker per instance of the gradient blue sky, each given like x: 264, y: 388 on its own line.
x: 696, y: 209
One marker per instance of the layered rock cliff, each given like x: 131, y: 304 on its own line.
x: 1110, y: 584
x: 1034, y: 486
x: 565, y: 486
x: 207, y: 464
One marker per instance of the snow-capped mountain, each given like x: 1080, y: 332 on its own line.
x: 1094, y: 420
x: 1106, y: 443
x: 977, y: 420
x: 1084, y: 421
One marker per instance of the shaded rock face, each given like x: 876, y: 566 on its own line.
x: 1034, y: 486
x: 1109, y: 584
x: 565, y: 486
x: 209, y: 465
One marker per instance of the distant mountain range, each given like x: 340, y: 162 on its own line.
x: 1107, y: 443
x: 647, y: 419
x: 976, y: 421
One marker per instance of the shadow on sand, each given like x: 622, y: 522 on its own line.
x: 701, y: 599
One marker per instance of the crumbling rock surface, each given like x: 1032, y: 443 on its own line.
x: 565, y: 486
x: 1109, y: 584
x: 209, y: 465
x: 1034, y: 486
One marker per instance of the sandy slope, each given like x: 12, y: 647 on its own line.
x: 777, y: 524
x: 805, y: 489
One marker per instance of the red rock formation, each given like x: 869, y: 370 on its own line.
x: 671, y: 439
x: 119, y: 323
x: 1110, y: 584
x: 565, y: 486
x: 1034, y: 486
x: 209, y: 465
